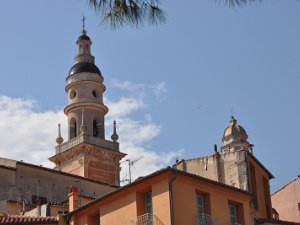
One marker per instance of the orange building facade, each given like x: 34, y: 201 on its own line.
x: 167, y: 197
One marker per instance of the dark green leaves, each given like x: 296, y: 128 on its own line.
x: 117, y: 13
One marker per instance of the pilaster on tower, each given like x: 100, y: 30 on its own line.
x: 87, y: 153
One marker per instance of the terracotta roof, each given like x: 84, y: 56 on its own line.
x: 7, y: 167
x: 272, y: 221
x: 157, y: 173
x: 65, y: 174
x: 18, y: 219
x: 262, y: 166
x: 58, y: 203
x: 292, y: 181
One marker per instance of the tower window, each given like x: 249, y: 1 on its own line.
x: 95, y: 128
x: 94, y: 93
x: 73, y: 128
x: 72, y: 94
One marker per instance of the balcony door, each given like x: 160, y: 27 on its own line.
x: 148, y: 208
x: 200, y: 209
x: 233, y: 214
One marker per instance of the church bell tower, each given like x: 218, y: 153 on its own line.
x: 87, y: 153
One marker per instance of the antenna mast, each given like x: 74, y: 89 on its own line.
x: 131, y: 163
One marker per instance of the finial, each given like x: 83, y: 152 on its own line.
x: 83, y: 127
x: 59, y: 139
x: 232, y: 120
x: 115, y: 136
x: 83, y: 31
x: 215, y: 148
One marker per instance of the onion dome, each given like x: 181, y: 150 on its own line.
x: 84, y: 67
x: 84, y: 37
x: 84, y: 61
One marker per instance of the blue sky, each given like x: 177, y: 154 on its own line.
x: 177, y: 83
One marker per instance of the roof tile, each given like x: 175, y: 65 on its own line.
x: 20, y: 219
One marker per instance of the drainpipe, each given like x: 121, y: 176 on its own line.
x: 171, y: 195
x: 68, y: 219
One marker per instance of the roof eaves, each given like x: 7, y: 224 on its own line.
x: 285, y: 185
x: 65, y: 174
x: 272, y: 221
x: 151, y: 176
x: 264, y: 168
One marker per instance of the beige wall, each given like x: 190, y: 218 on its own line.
x: 8, y: 189
x: 31, y: 180
x: 229, y: 168
x: 205, y: 167
x: 286, y: 201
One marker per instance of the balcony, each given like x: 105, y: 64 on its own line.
x: 204, y: 219
x: 82, y: 138
x: 146, y: 219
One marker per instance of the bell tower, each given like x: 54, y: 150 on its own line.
x: 87, y: 153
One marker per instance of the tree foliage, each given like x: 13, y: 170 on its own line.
x: 117, y: 13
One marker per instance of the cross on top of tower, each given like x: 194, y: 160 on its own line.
x: 83, y: 22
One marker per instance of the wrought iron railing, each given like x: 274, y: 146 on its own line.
x: 146, y: 219
x: 204, y: 219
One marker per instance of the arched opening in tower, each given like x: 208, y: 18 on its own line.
x: 97, y: 123
x: 73, y: 128
x: 95, y: 129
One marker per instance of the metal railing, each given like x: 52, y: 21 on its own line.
x: 146, y: 219
x: 87, y: 139
x: 204, y: 219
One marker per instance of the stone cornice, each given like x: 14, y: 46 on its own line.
x: 81, y: 105
x: 88, y: 150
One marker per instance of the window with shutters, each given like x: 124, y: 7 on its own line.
x: 203, y: 208
x: 236, y: 213
x: 232, y: 214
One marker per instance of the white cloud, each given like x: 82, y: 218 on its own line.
x: 157, y: 89
x: 28, y: 133
x: 124, y: 106
x: 127, y: 85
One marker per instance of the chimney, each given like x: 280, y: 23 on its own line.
x: 73, y: 199
x: 39, y: 206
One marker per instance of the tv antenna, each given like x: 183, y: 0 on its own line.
x: 130, y: 164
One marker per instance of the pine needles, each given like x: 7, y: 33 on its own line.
x: 117, y: 13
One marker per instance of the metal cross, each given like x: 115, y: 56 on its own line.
x: 83, y: 22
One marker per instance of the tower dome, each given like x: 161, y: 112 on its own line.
x: 235, y: 134
x: 234, y: 130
